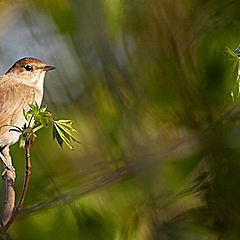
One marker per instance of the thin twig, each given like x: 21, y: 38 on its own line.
x: 24, y: 191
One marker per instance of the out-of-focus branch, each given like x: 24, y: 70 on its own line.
x: 135, y: 167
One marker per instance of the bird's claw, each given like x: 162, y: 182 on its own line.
x: 8, y: 168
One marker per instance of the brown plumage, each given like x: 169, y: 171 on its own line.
x: 15, y: 97
x: 21, y: 85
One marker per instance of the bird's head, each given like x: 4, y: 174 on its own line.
x: 29, y: 71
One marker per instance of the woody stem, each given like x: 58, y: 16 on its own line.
x: 24, y: 191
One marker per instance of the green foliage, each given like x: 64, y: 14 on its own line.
x: 37, y: 118
x: 235, y: 93
x: 138, y: 77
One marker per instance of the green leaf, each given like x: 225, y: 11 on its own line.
x: 21, y: 142
x: 43, y: 109
x: 26, y: 115
x: 35, y: 129
x: 232, y: 53
x: 57, y: 136
x: 65, y: 125
x: 64, y: 137
x: 38, y: 118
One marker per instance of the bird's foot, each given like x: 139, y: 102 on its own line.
x: 7, y: 166
x: 11, y: 169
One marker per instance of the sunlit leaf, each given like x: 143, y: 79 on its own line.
x: 63, y: 136
x: 37, y: 128
x: 232, y: 53
x: 67, y: 128
x: 37, y: 119
x: 57, y: 136
x: 21, y: 143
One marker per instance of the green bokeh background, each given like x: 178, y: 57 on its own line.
x: 142, y: 80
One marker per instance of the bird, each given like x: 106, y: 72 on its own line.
x: 21, y: 85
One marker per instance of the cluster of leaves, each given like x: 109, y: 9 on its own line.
x: 235, y: 56
x: 37, y: 118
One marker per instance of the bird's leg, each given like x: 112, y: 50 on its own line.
x: 7, y: 162
x: 10, y: 192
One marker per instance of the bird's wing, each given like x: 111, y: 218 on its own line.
x: 13, y: 99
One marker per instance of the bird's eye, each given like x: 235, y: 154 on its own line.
x: 28, y: 67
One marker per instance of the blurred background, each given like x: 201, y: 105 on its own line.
x: 152, y: 89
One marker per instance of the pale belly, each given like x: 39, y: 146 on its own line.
x: 11, y: 137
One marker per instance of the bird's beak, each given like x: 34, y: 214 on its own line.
x: 48, y: 68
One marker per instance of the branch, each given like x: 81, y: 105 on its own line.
x: 135, y: 167
x: 10, y: 192
x: 24, y: 191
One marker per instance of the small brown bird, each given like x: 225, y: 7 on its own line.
x: 20, y: 86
